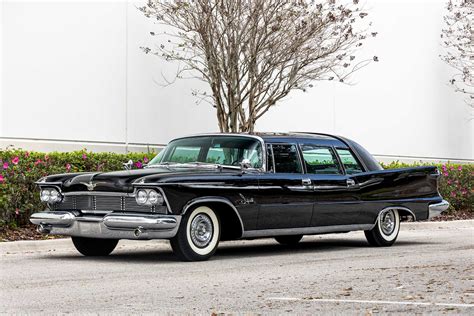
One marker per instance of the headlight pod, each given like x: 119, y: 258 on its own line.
x: 148, y: 197
x: 50, y: 195
x: 142, y: 197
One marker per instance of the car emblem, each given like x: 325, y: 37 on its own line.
x: 90, y: 186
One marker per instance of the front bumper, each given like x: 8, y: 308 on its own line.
x: 437, y: 208
x: 114, y: 225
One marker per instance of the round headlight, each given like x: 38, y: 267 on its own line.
x: 142, y: 197
x: 155, y: 198
x: 54, y: 196
x: 45, y: 195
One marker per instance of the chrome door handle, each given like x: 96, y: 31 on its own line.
x: 306, y: 181
x: 350, y: 182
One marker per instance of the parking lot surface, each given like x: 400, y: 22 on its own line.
x: 429, y: 270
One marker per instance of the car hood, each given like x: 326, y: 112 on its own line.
x: 122, y: 181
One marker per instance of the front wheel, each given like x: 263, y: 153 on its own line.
x: 386, y: 229
x: 94, y: 246
x: 198, y: 235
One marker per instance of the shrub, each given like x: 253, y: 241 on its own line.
x: 19, y: 170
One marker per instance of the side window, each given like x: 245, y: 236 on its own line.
x: 286, y: 158
x: 348, y: 160
x: 320, y: 160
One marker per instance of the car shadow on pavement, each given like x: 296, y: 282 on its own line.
x: 232, y: 250
x: 313, y: 246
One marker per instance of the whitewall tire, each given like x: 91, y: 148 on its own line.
x: 198, y: 235
x: 386, y: 229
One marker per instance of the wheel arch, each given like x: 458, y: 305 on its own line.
x: 232, y: 226
x: 404, y: 213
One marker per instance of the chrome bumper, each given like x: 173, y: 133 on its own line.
x: 120, y: 225
x: 437, y: 208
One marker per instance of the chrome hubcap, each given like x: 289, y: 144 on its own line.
x: 387, y: 222
x: 201, y: 230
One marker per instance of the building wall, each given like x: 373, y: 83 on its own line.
x: 72, y: 75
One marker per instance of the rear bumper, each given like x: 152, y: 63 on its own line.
x: 437, y: 208
x: 116, y: 225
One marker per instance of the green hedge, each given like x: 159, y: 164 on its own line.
x: 19, y: 170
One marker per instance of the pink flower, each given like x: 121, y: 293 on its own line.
x: 453, y: 194
x: 2, y: 179
x: 145, y: 159
x: 37, y: 162
x: 449, y: 181
x: 84, y: 156
x: 46, y: 157
x: 443, y: 167
x: 460, y: 168
x: 17, y: 211
x: 445, y: 174
x: 27, y: 154
x: 68, y: 167
x: 138, y: 164
x: 15, y: 160
x: 5, y: 165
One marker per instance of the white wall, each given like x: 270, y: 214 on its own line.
x: 73, y: 76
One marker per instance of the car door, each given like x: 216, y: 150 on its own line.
x: 285, y: 195
x: 336, y: 200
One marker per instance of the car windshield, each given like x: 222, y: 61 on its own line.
x: 220, y: 150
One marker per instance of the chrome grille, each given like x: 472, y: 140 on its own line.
x: 109, y: 203
x: 105, y: 203
x: 84, y: 202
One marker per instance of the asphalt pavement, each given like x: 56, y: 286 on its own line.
x: 430, y: 270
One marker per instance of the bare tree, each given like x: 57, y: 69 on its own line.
x: 252, y: 53
x: 458, y: 40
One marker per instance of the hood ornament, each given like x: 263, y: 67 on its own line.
x: 128, y: 165
x: 90, y: 186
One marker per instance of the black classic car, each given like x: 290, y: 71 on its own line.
x: 203, y: 189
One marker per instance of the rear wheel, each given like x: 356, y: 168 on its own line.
x: 386, y: 229
x: 289, y: 240
x: 94, y: 246
x: 198, y: 235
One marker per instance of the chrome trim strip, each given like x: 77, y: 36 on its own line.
x: 117, y: 221
x: 437, y: 208
x: 111, y: 226
x: 305, y: 230
x: 99, y: 193
x: 48, y: 183
x: 216, y: 200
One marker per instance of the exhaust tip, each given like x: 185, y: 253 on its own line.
x: 138, y: 231
x: 43, y: 229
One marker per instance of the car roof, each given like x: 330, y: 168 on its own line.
x: 288, y: 137
x: 302, y: 137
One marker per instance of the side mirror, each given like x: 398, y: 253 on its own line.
x: 245, y: 164
x: 128, y: 165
